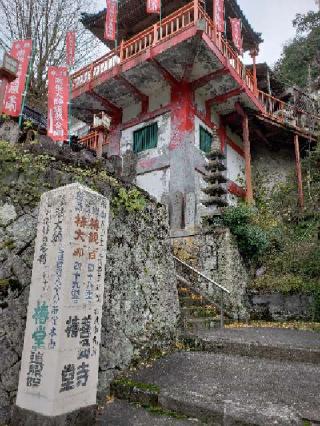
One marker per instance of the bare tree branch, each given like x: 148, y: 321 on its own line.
x: 46, y: 22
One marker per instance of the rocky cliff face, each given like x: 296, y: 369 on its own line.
x: 141, y: 304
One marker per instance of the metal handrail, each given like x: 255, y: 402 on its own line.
x: 220, y: 287
x: 202, y: 275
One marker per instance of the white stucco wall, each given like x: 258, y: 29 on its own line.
x: 235, y: 165
x: 156, y: 182
x: 130, y: 112
x: 200, y: 101
x: 164, y: 133
x: 160, y: 98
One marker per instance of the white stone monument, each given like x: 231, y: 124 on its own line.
x: 59, y: 368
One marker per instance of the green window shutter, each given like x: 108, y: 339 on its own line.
x: 145, y: 138
x: 205, y: 140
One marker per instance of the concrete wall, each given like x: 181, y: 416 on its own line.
x: 155, y: 183
x: 274, y: 165
x: 235, y: 165
x: 280, y: 307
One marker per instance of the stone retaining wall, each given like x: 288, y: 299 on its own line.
x: 141, y: 305
x: 280, y: 307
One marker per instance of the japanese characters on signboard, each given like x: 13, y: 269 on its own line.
x: 65, y: 305
x: 153, y: 6
x: 70, y: 47
x: 218, y: 7
x: 236, y: 34
x: 21, y: 50
x: 110, y: 32
x: 58, y: 99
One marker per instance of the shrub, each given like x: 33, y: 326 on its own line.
x: 253, y: 241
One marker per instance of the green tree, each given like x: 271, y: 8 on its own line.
x: 302, y: 53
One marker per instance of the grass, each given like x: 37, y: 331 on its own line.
x: 131, y: 384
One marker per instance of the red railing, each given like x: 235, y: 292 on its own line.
x: 169, y: 27
x: 285, y: 113
x: 90, y: 141
x: 178, y: 21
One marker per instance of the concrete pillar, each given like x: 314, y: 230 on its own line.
x: 182, y: 169
x: 299, y: 172
x: 59, y: 367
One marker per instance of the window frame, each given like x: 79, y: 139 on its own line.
x: 145, y: 145
x: 203, y: 130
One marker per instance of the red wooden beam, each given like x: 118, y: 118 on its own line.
x: 223, y: 98
x: 209, y: 77
x: 299, y: 172
x: 236, y: 190
x: 164, y: 72
x: 107, y: 104
x: 144, y: 99
x: 247, y: 152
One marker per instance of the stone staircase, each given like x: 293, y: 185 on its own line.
x: 199, y: 310
x: 197, y: 313
x: 228, y: 377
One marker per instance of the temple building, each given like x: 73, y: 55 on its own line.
x: 175, y: 89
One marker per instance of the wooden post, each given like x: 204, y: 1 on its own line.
x: 100, y: 143
x: 121, y: 51
x: 247, y: 151
x: 299, y: 172
x: 247, y: 156
x: 196, y: 11
x: 253, y: 54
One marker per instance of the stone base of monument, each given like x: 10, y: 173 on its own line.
x: 82, y: 417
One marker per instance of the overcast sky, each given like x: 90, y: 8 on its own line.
x: 273, y: 18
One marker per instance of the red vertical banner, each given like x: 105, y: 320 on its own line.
x: 218, y: 13
x: 58, y: 98
x: 71, y: 47
x: 20, y: 50
x: 236, y: 34
x: 153, y: 6
x: 110, y: 32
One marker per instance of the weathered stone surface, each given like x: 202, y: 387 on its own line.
x: 121, y: 413
x: 7, y: 214
x: 9, y: 131
x: 141, y: 306
x: 226, y: 389
x: 216, y: 255
x: 4, y: 406
x: 83, y: 417
x: 61, y: 346
x: 176, y: 210
x: 280, y: 307
x: 8, y: 356
x: 22, y: 231
x: 270, y: 343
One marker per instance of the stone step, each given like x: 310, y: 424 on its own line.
x: 122, y: 413
x: 225, y: 389
x: 275, y: 344
x: 198, y: 325
x: 206, y: 312
x: 191, y: 301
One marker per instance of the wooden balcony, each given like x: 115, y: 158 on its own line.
x: 125, y: 74
x: 90, y: 141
